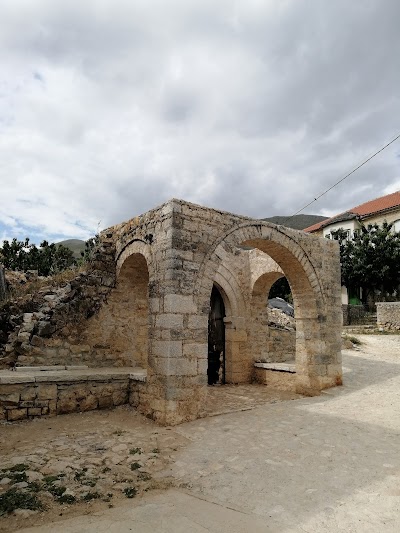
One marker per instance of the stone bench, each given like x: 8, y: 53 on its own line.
x: 30, y: 392
x: 280, y: 376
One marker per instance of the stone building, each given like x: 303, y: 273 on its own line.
x: 182, y: 293
x: 167, y: 263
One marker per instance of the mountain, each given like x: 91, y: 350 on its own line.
x: 296, y: 221
x: 76, y: 245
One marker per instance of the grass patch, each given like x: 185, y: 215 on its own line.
x: 66, y: 498
x: 144, y: 476
x: 130, y: 492
x: 352, y: 339
x: 91, y: 496
x: 134, y: 451
x: 34, y: 486
x: 135, y: 466
x: 20, y: 467
x: 16, y: 499
x: 49, y: 480
x: 156, y: 450
x: 89, y: 481
x: 80, y: 474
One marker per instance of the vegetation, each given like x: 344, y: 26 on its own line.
x: 371, y: 261
x: 14, y: 499
x: 130, y: 492
x: 48, y: 259
x: 281, y: 289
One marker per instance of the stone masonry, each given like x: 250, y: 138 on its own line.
x: 151, y: 281
x: 388, y: 315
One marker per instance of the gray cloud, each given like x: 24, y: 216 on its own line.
x: 110, y: 108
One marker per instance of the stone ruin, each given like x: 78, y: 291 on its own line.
x: 144, y: 302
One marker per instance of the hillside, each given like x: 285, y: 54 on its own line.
x: 76, y: 245
x: 297, y: 221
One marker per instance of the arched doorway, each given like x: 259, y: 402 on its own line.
x: 318, y: 316
x: 216, y: 339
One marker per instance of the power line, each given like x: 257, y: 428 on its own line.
x: 342, y: 179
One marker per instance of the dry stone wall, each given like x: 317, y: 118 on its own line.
x: 388, y: 315
x: 22, y: 401
x: 52, y: 332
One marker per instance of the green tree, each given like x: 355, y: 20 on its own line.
x: 371, y: 260
x: 48, y: 259
x: 90, y: 246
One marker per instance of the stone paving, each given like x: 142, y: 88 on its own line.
x: 329, y: 463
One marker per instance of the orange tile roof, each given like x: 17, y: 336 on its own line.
x: 379, y: 204
x: 368, y: 208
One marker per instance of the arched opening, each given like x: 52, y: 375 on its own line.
x: 216, y: 339
x: 273, y: 330
x: 318, y: 318
x: 130, y: 303
x: 281, y: 289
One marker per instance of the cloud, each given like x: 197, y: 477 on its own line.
x: 108, y: 109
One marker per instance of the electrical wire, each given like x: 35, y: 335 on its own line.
x: 342, y: 179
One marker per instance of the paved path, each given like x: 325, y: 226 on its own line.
x: 324, y: 464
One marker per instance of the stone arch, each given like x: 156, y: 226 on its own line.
x: 235, y: 310
x: 132, y: 291
x: 135, y: 247
x: 259, y: 330
x: 317, y: 351
x: 128, y: 319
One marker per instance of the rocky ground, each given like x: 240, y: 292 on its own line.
x: 328, y: 463
x: 80, y: 463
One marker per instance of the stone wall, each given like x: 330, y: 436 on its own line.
x: 53, y: 331
x: 388, y: 315
x: 20, y: 401
x: 353, y: 314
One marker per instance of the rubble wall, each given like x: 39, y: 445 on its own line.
x: 388, y: 315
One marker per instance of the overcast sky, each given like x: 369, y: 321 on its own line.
x: 111, y: 107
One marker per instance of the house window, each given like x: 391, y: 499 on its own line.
x: 340, y: 234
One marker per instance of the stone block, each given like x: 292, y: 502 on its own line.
x: 169, y: 320
x: 202, y: 366
x: 24, y: 336
x: 27, y: 404
x: 199, y: 350
x: 176, y: 303
x: 167, y: 348
x: 34, y: 411
x: 52, y: 407
x: 198, y: 322
x: 47, y: 392
x: 16, y: 414
x: 120, y: 397
x: 88, y: 403
x: 105, y: 402
x: 175, y: 366
x: 67, y: 404
x: 79, y: 348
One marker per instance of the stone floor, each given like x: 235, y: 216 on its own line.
x: 329, y: 463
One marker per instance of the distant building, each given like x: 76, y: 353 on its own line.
x: 372, y: 212
x: 385, y: 208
